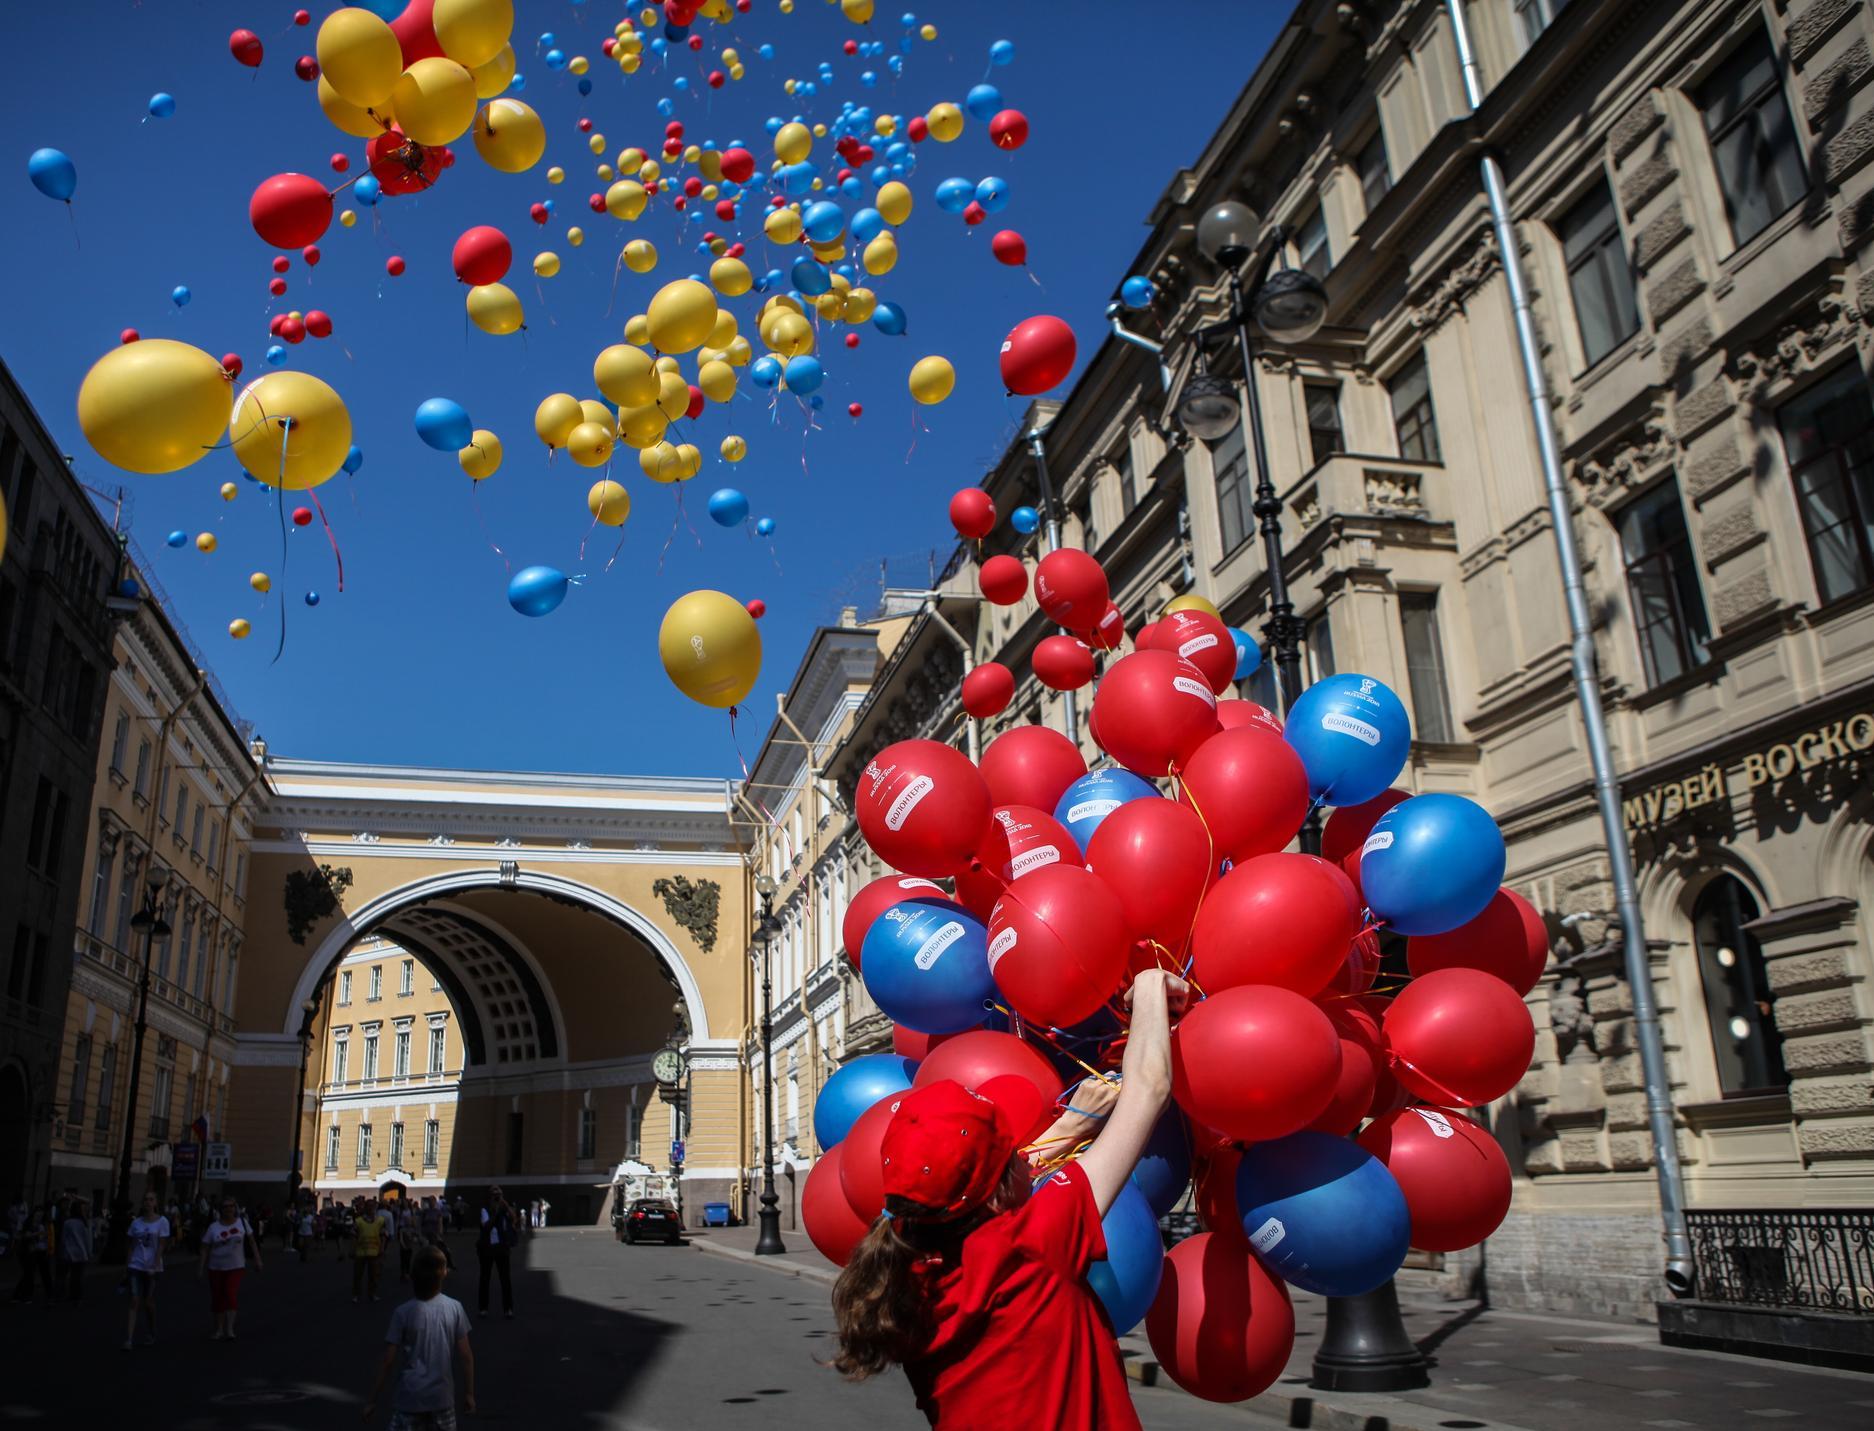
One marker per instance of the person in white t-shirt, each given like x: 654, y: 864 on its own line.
x: 225, y: 1245
x: 149, y: 1235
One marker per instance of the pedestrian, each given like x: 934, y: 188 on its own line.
x: 74, y: 1244
x: 427, y: 1335
x: 225, y: 1246
x: 149, y: 1235
x: 306, y: 1233
x: 33, y: 1244
x: 545, y: 1208
x: 461, y: 1212
x: 976, y: 1288
x: 493, y: 1247
x: 431, y: 1221
x: 367, y: 1251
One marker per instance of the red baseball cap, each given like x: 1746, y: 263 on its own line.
x: 946, y: 1148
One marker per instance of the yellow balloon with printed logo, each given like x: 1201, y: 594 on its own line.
x: 344, y: 114
x: 493, y: 76
x: 793, y: 142
x: 556, y: 417
x: 590, y: 444
x: 640, y: 256
x: 494, y: 308
x: 359, y: 54
x: 481, y: 459
x: 717, y: 380
x: 509, y: 136
x: 681, y: 316
x: 1191, y: 601
x: 731, y: 277
x: 710, y: 648
x: 932, y: 379
x: 625, y: 375
x: 434, y: 101
x: 472, y: 32
x: 609, y: 502
x: 154, y: 406
x: 289, y: 429
x: 893, y: 203
x: 640, y: 427
x: 626, y: 199
x: 734, y: 448
x: 945, y: 122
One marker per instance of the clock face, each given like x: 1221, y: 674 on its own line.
x: 667, y: 1065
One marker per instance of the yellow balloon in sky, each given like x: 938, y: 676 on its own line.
x: 434, y: 101
x: 494, y: 308
x: 556, y: 175
x: 473, y: 32
x: 508, y: 135
x: 640, y: 256
x: 673, y: 395
x: 630, y: 160
x: 681, y: 316
x: 893, y: 203
x: 290, y: 429
x: 578, y: 65
x: 575, y: 236
x: 881, y: 255
x: 493, y: 76
x: 260, y: 581
x: 710, y: 648
x: 238, y: 628
x: 640, y: 427
x: 710, y: 162
x: 346, y: 218
x: 625, y: 375
x: 546, y: 264
x: 661, y: 462
x: 596, y: 143
x: 592, y: 410
x: 344, y: 114
x: 928, y: 32
x: 731, y: 277
x: 932, y: 379
x: 205, y: 542
x: 590, y: 444
x: 857, y: 11
x: 153, y: 406
x: 793, y: 142
x: 859, y: 305
x: 945, y: 122
x: 360, y: 55
x: 724, y: 332
x: 1191, y: 601
x: 666, y: 364
x: 828, y: 305
x: 626, y: 199
x: 717, y: 380
x: 637, y: 326
x: 737, y: 354
x: 787, y: 333
x: 609, y: 502
x: 229, y: 491
x: 628, y: 60
x: 734, y: 448
x: 482, y: 457
x: 556, y: 417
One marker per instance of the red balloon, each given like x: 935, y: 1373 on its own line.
x: 394, y: 265
x: 1201, y: 639
x: 974, y: 1058
x: 1062, y: 663
x: 482, y: 255
x: 988, y: 689
x: 281, y: 262
x: 918, y: 129
x: 340, y: 163
x: 756, y: 607
x: 1009, y: 129
x: 311, y: 254
x: 538, y: 212
x: 1020, y: 838
x: 231, y: 364
x: 1254, y: 1062
x: 1213, y: 1188
x: 401, y: 165
x: 1109, y: 631
x: 1454, y: 1176
x: 1347, y: 828
x: 1458, y: 1036
x: 302, y: 516
x: 692, y: 186
x: 725, y: 210
x: 861, y: 1168
x: 1031, y: 765
x: 1009, y: 247
x: 923, y: 807
x: 1279, y: 919
x: 1153, y: 711
x: 877, y: 897
x: 1071, y: 588
x: 1004, y: 580
x: 245, y: 46
x: 1038, y: 354
x: 1057, y: 944
x: 1146, y: 634
x: 293, y: 330
x: 1388, y: 1096
x: 1021, y: 1104
x: 1249, y: 788
x: 974, y: 213
x: 319, y: 323
x: 1156, y: 858
x: 738, y: 165
x: 131, y: 335
x: 973, y: 513
x: 1362, y: 1061
x: 1357, y: 974
x: 832, y: 1226
x: 1508, y: 940
x: 302, y: 17
x: 290, y: 210
x: 1221, y: 1326
x: 1233, y: 714
x: 276, y: 287
x: 415, y: 30
x: 695, y: 409
x: 307, y: 68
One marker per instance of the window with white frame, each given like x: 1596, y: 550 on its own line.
x: 344, y: 988
x: 403, y: 1053
x: 432, y: 1142
x: 341, y: 1057
x: 120, y: 742
x: 437, y: 1044
x: 370, y: 1056
x: 407, y: 979
x: 101, y: 884
x: 377, y: 982
x: 331, y: 1148
x: 1374, y: 169
x: 396, y: 1145
x: 1312, y: 254
x: 364, y: 1145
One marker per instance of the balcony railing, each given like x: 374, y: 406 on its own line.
x: 109, y: 956
x: 1816, y: 1260
x: 392, y: 1080
x: 1355, y: 484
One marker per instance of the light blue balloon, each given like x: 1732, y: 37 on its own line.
x: 443, y: 424
x: 1025, y: 520
x: 1137, y: 292
x: 804, y: 374
x: 556, y: 59
x: 954, y: 195
x: 927, y: 967
x: 276, y: 354
x: 386, y: 10
x: 768, y: 280
x: 53, y: 173
x: 666, y: 108
x: 993, y: 194
x: 765, y: 371
x: 1352, y: 735
x: 518, y: 83
x: 855, y: 1088
x: 889, y: 318
x: 354, y: 459
x: 367, y: 191
x: 984, y: 102
x: 1126, y: 1279
x: 766, y: 52
x: 547, y: 40
x: 881, y: 174
x: 868, y: 78
x: 1002, y: 52
x: 823, y: 221
x: 537, y: 590
x: 866, y: 225
x: 1086, y: 803
x: 908, y: 20
x: 797, y: 179
x: 1248, y: 655
x: 851, y: 187
x: 1432, y: 863
x: 312, y: 598
x: 162, y: 105
x: 547, y: 204
x: 728, y: 507
x: 765, y: 527
x: 1322, y: 1213
x: 680, y: 83
x: 180, y: 295
x: 177, y: 539
x: 809, y: 276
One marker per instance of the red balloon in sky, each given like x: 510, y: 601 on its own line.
x: 1250, y: 789
x: 1156, y: 857
x: 131, y: 335
x: 923, y: 807
x: 415, y: 30
x: 307, y: 68
x: 1038, y: 354
x: 738, y: 165
x: 1009, y: 247
x: 319, y: 323
x: 988, y: 689
x: 302, y: 17
x: 1508, y: 940
x: 1454, y: 1176
x: 1031, y: 765
x: 974, y: 213
x: 231, y: 364
x: 918, y: 129
x: 401, y: 166
x: 290, y: 210
x: 281, y: 262
x: 1221, y: 1326
x: 311, y: 254
x: 293, y: 330
x: 1062, y: 663
x: 1151, y: 711
x: 1004, y: 580
x: 1071, y: 588
x: 1278, y: 919
x: 756, y: 607
x: 394, y: 265
x: 877, y: 897
x: 695, y: 409
x: 245, y: 46
x: 276, y: 286
x: 972, y: 513
x: 302, y: 516
x: 1009, y: 129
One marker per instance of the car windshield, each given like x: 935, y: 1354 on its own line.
x: 655, y: 1207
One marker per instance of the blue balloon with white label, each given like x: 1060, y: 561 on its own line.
x: 1352, y: 735
x: 1322, y: 1213
x: 1163, y: 1171
x: 1432, y: 863
x: 927, y: 967
x: 1248, y: 655
x: 1126, y: 1280
x: 728, y: 507
x: 855, y: 1088
x: 1095, y: 795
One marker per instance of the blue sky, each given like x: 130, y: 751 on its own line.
x: 420, y: 659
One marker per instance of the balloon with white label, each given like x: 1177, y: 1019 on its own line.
x: 928, y: 968
x: 1353, y: 734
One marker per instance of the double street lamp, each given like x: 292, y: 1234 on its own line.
x: 150, y: 921
x: 769, y: 1243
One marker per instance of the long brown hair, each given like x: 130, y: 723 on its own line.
x: 880, y: 1303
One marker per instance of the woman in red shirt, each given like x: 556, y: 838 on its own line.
x: 975, y: 1284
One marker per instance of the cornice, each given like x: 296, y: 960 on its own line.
x: 356, y: 847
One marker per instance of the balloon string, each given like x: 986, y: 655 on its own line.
x: 588, y: 536
x: 72, y: 214
x: 475, y: 496
x: 675, y: 518
x: 1210, y: 842
x: 331, y: 537
x: 615, y: 551
x: 1393, y: 1060
x: 684, y: 512
x: 280, y: 492
x: 1051, y: 1041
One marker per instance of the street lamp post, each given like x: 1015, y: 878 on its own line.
x: 1365, y: 1346
x: 150, y: 920
x: 293, y: 1176
x: 769, y: 1243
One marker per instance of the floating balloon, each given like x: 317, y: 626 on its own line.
x: 434, y: 101
x: 988, y: 689
x: 495, y: 309
x: 1290, y: 1043
x: 877, y: 897
x: 977, y: 1057
x: 1137, y: 292
x: 481, y: 458
x: 1201, y: 639
x: 972, y: 513
x: 162, y: 105
x: 1281, y: 919
x: 1037, y: 354
x: 359, y: 57
x: 855, y: 1087
x: 1030, y: 765
x: 1057, y: 943
x: 1010, y: 248
x: 444, y: 424
x: 1126, y: 1279
x: 1062, y: 663
x: 291, y: 210
x: 609, y: 503
x: 1157, y: 858
x: 482, y: 255
x: 1221, y: 1327
x: 681, y: 316
x: 537, y: 590
x: 1431, y: 864
x: 728, y: 507
x: 1508, y: 940
x: 509, y: 136
x: 153, y: 406
x: 246, y: 48
x: 1152, y: 711
x: 1458, y: 1037
x: 932, y: 380
x: 1249, y: 787
x: 1322, y: 1213
x: 1071, y: 588
x: 1348, y: 827
x: 1353, y: 735
x: 928, y: 968
x: 290, y: 430
x: 1025, y: 520
x: 556, y: 417
x: 1003, y: 579
x: 710, y: 648
x: 923, y: 807
x: 1009, y: 129
x: 1085, y: 804
x: 832, y: 1225
x: 473, y: 32
x: 889, y: 319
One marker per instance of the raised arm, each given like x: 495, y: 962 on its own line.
x: 1145, y: 1084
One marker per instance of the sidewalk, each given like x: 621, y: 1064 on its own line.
x: 1507, y: 1371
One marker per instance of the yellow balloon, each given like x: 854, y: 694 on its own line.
x: 625, y: 375
x: 238, y: 628
x: 710, y: 648
x: 345, y: 115
x: 881, y: 255
x: 666, y: 364
x: 828, y: 305
x: 738, y: 352
x: 630, y: 160
x: 575, y: 236
x: 578, y: 65
x: 793, y: 142
x: 780, y: 300
x: 681, y: 316
x: 625, y: 199
x: 782, y: 226
x: 494, y: 308
x: 637, y: 326
x: 724, y: 332
x: 640, y: 427
x: 673, y: 395
x: 640, y: 255
x: 932, y: 379
x: 508, y: 135
x: 731, y: 277
x: 546, y: 264
x: 886, y: 125
x: 859, y: 305
x: 649, y: 171
x: 629, y: 60
x: 290, y: 430
x: 556, y: 417
x: 482, y: 457
x: 662, y: 462
x: 556, y: 175
x: 929, y: 32
x: 473, y: 32
x: 692, y: 460
x: 229, y: 491
x: 346, y: 218
x: 596, y: 143
x: 1191, y: 601
x: 434, y: 101
x: 260, y: 581
x: 590, y: 444
x: 893, y: 203
x: 710, y: 162
x: 717, y: 380
x: 734, y: 448
x: 153, y: 406
x: 787, y: 333
x: 592, y: 410
x: 493, y: 76
x: 205, y: 542
x: 736, y: 71
x: 360, y: 55
x: 857, y: 11
x: 609, y: 502
x: 945, y: 122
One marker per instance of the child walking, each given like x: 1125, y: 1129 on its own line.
x: 427, y: 1335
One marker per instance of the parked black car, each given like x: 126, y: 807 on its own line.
x: 651, y: 1219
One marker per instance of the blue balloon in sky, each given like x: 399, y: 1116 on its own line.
x: 176, y: 539
x: 162, y: 105
x: 312, y: 598
x: 1025, y: 520
x: 728, y: 508
x: 1322, y: 1213
x: 517, y: 84
x: 866, y: 225
x: 889, y: 319
x: 855, y: 1088
x: 804, y: 374
x: 954, y: 195
x: 1095, y: 795
x: 537, y: 590
x: 927, y: 967
x: 1137, y: 292
x: 1352, y: 735
x: 53, y: 173
x: 1432, y: 863
x: 367, y: 190
x: 556, y: 59
x: 993, y: 194
x: 1002, y: 52
x: 444, y: 424
x: 764, y: 527
x: 765, y: 371
x: 276, y: 354
x: 180, y: 295
x: 810, y: 277
x: 354, y: 459
x: 386, y: 10
x: 585, y: 84
x: 766, y: 52
x: 984, y: 102
x: 1248, y: 655
x: 1126, y: 1279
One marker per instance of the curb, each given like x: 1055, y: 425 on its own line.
x: 772, y: 1264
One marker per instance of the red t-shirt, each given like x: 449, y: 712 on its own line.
x: 1021, y: 1341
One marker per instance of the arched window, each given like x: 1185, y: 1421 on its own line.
x: 1738, y: 1000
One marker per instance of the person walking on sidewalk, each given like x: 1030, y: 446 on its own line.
x: 225, y: 1245
x: 367, y: 1249
x: 74, y: 1245
x: 427, y: 1335
x: 500, y: 1229
x: 150, y: 1232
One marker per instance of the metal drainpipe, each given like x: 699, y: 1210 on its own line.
x: 1139, y: 340
x: 970, y: 734
x: 1679, y: 1273
x: 1051, y: 527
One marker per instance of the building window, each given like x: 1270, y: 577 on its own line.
x: 185, y: 948
x: 588, y: 1132
x: 189, y: 1108
x: 1599, y: 278
x: 377, y: 982
x: 1738, y: 1001
x: 1753, y: 138
x: 214, y: 847
x: 101, y: 884
x: 1662, y: 584
x: 81, y: 1081
x: 1829, y: 441
x: 1374, y: 169
x: 182, y: 809
x: 341, y: 1056
x: 1412, y: 417
x: 436, y: 1045
x: 126, y: 897
x: 634, y: 1131
x: 1535, y: 16
x: 344, y: 988
x: 107, y: 1085
x: 407, y: 986
x: 396, y: 1145
x: 160, y: 1091
x: 195, y: 830
x: 1324, y: 435
x: 370, y: 1057
x: 432, y: 1142
x: 228, y: 968
x: 403, y: 1053
x: 331, y: 1149
x: 120, y: 742
x: 141, y: 785
x: 1230, y: 463
x: 364, y: 1145
x: 1425, y: 666
x: 1311, y: 249
x: 517, y: 1126
x: 1317, y: 655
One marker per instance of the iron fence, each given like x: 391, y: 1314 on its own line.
x: 1819, y: 1259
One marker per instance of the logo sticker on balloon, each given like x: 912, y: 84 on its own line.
x: 907, y: 801
x: 1269, y: 1236
x: 931, y: 950
x: 1000, y: 945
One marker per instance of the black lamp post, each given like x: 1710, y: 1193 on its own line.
x: 294, y: 1178
x: 1365, y: 1346
x: 769, y: 1243
x: 150, y: 920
